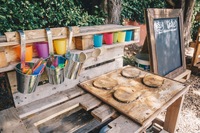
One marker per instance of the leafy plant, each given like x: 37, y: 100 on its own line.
x: 33, y: 14
x: 195, y: 24
x: 134, y: 9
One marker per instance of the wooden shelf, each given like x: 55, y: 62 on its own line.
x: 105, y: 46
x: 12, y: 65
x: 38, y: 35
x: 89, y: 30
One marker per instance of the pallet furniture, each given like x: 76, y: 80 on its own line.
x: 61, y: 117
x: 67, y: 107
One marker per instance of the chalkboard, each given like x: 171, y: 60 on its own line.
x: 166, y: 41
x: 168, y: 47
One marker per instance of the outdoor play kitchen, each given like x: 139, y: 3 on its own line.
x: 72, y: 79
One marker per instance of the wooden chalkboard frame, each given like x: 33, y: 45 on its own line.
x: 154, y: 13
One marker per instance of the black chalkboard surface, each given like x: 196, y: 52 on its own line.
x: 168, y: 47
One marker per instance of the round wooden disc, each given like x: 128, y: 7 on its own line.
x: 130, y: 72
x: 105, y: 83
x: 153, y: 81
x: 125, y: 94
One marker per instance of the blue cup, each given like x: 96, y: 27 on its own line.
x: 98, y: 40
x: 129, y: 34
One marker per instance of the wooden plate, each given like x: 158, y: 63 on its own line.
x: 153, y: 81
x: 126, y: 94
x: 105, y: 83
x: 130, y: 72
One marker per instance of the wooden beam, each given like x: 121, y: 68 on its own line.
x: 103, y: 112
x: 90, y: 102
x: 172, y: 115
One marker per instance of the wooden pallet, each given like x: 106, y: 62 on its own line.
x: 47, y: 115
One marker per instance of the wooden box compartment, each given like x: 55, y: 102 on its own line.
x: 84, y: 42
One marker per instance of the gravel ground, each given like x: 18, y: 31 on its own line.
x: 189, y: 120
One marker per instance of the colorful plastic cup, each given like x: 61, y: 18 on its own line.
x: 108, y: 38
x: 28, y: 54
x: 121, y: 36
x: 60, y: 46
x: 129, y: 34
x: 98, y: 40
x: 42, y: 49
x: 115, y: 37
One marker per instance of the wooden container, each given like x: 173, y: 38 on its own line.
x: 84, y: 42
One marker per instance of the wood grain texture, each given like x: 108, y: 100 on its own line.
x: 123, y: 124
x: 53, y: 112
x: 10, y: 122
x: 172, y: 115
x: 149, y: 104
x: 90, y: 102
x: 151, y: 16
x: 103, y: 112
x: 48, y: 102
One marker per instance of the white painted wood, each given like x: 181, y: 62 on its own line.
x: 53, y: 112
x: 10, y: 122
x: 48, y: 102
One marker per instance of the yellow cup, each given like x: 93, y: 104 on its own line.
x: 60, y: 46
x: 121, y: 36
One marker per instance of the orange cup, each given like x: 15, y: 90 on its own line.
x: 28, y: 54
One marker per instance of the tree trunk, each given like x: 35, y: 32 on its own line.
x: 187, y: 6
x: 113, y: 9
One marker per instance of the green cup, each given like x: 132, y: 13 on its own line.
x: 115, y: 36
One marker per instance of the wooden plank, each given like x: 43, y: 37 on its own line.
x: 103, y: 29
x: 53, y: 112
x: 158, y: 121
x: 153, y: 100
x: 124, y: 125
x: 40, y: 34
x: 66, y: 123
x: 51, y: 125
x: 89, y: 127
x: 101, y: 69
x: 183, y: 76
x: 172, y: 115
x: 90, y: 102
x: 103, y: 112
x: 10, y: 122
x: 48, y: 102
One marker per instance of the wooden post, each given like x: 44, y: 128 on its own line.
x: 195, y: 59
x: 172, y: 115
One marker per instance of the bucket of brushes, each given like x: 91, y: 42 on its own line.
x: 28, y: 73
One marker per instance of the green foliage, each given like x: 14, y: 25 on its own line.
x: 128, y: 60
x: 134, y: 9
x: 195, y: 24
x: 34, y: 14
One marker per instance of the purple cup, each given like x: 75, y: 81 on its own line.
x: 42, y: 49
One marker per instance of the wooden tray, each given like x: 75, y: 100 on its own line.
x: 151, y: 100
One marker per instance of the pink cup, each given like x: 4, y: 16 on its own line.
x: 42, y: 49
x: 108, y: 38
